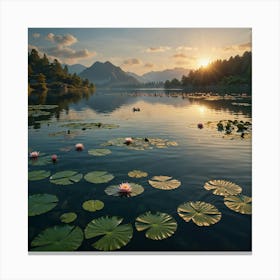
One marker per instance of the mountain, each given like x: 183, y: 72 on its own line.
x: 107, y: 74
x: 76, y: 68
x: 168, y: 74
x: 137, y: 77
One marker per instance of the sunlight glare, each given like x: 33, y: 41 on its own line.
x: 203, y: 62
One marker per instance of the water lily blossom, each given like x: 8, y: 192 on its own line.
x: 34, y: 155
x: 128, y: 140
x: 79, y: 147
x: 125, y: 188
x: 54, y: 158
x: 200, y: 125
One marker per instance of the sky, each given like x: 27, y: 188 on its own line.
x: 140, y: 50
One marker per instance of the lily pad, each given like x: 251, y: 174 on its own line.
x: 239, y: 203
x: 93, y: 205
x: 37, y: 113
x: 42, y: 160
x: 159, y: 225
x: 90, y: 125
x: 114, y: 235
x: 140, y: 144
x: 164, y: 183
x: 68, y: 177
x: 41, y: 203
x: 58, y: 238
x: 98, y: 177
x: 68, y: 217
x: 223, y: 187
x: 137, y: 174
x: 38, y: 175
x: 136, y: 189
x: 201, y: 213
x: 42, y: 107
x: 99, y: 152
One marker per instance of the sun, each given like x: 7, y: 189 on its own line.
x: 203, y: 62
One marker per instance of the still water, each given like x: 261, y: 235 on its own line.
x: 201, y: 155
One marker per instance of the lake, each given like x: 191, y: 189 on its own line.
x: 198, y: 155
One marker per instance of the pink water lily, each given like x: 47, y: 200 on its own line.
x: 128, y: 140
x: 125, y: 188
x: 79, y: 147
x: 34, y: 154
x: 54, y: 158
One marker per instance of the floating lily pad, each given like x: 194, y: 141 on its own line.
x: 38, y: 113
x: 136, y: 189
x: 98, y: 177
x: 58, y: 238
x: 90, y: 125
x: 239, y: 203
x: 93, y: 205
x: 114, y: 235
x: 66, y: 177
x: 201, y: 213
x: 42, y: 160
x: 41, y: 203
x: 159, y: 225
x: 140, y: 144
x: 164, y: 183
x: 222, y: 187
x: 137, y: 174
x: 38, y: 175
x: 99, y: 152
x: 42, y: 107
x: 68, y: 217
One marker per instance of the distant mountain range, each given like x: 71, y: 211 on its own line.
x: 107, y: 74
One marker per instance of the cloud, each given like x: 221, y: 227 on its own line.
x: 149, y: 65
x: 62, y: 40
x: 241, y: 47
x: 68, y: 53
x: 132, y: 61
x: 179, y: 55
x: 157, y: 49
x: 36, y: 35
x: 246, y: 46
x: 185, y: 48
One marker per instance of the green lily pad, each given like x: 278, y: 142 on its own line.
x: 38, y: 175
x: 90, y: 125
x: 93, y: 205
x: 58, y: 238
x: 136, y: 189
x: 239, y: 203
x: 68, y: 177
x: 42, y: 160
x: 201, y: 213
x: 164, y: 183
x: 68, y: 217
x: 41, y: 203
x: 222, y: 187
x: 159, y: 225
x: 114, y: 235
x: 137, y: 174
x: 98, y: 177
x: 99, y: 152
x: 140, y: 144
x: 42, y: 107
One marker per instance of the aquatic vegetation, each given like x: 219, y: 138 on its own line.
x: 38, y: 175
x: 124, y: 190
x: 58, y: 238
x: 67, y: 177
x: 79, y: 147
x: 164, y: 183
x: 66, y: 134
x: 41, y: 160
x: 41, y: 203
x: 223, y: 187
x: 158, y: 225
x: 98, y: 177
x: 93, y: 205
x: 68, y: 217
x: 37, y: 113
x: 42, y: 107
x: 137, y: 174
x: 86, y: 125
x: 54, y: 158
x: 99, y: 152
x: 201, y: 213
x: 241, y: 104
x: 113, y: 234
x: 34, y: 155
x: 239, y: 203
x: 141, y: 144
x: 128, y: 141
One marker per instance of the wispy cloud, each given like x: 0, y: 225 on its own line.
x: 157, y: 49
x: 186, y: 48
x: 62, y: 40
x: 65, y: 52
x: 179, y: 55
x: 132, y: 61
x: 36, y: 35
x: 241, y: 47
x: 149, y: 65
